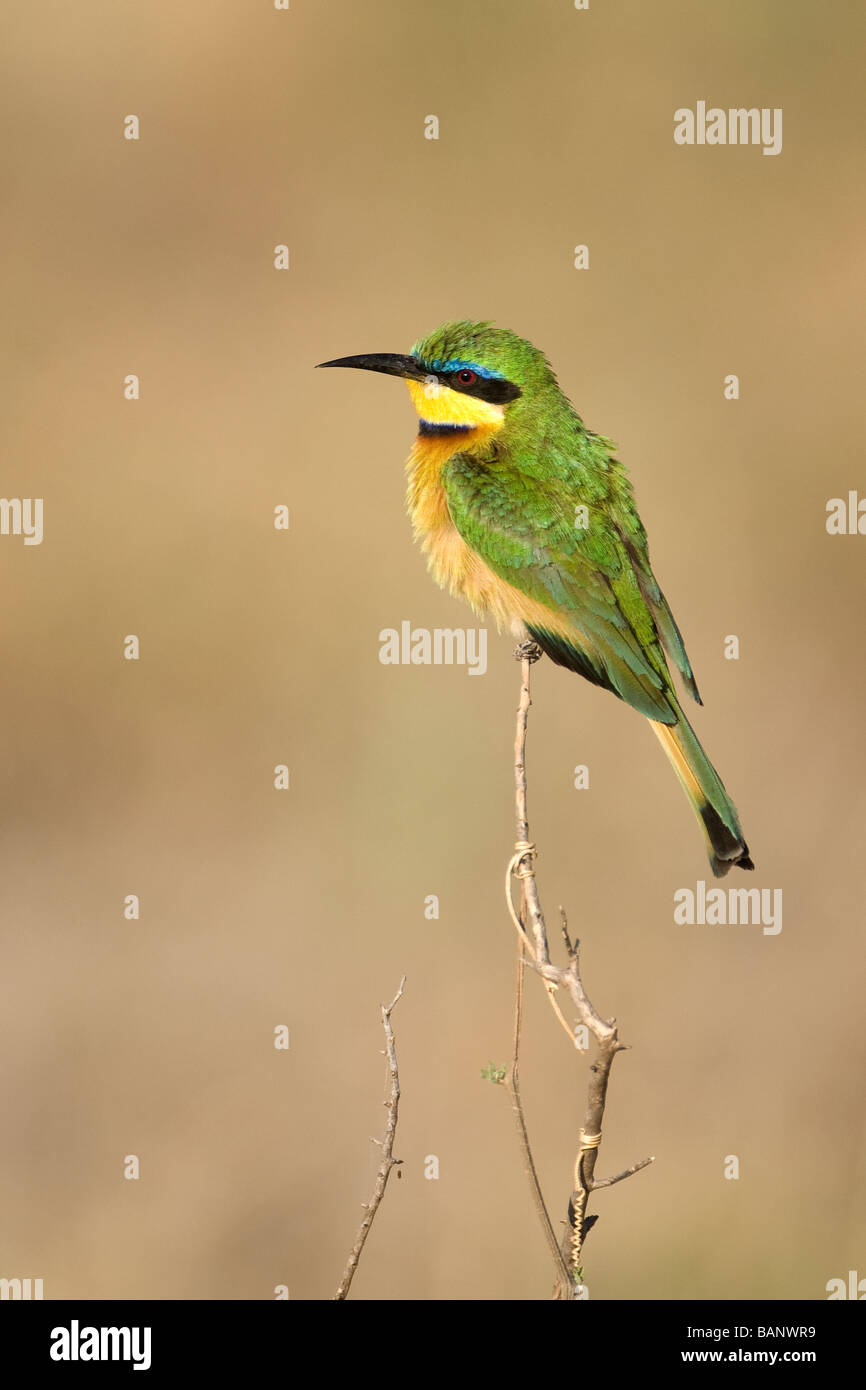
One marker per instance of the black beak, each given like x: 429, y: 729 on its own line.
x: 391, y: 363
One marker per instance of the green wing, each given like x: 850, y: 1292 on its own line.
x: 522, y: 522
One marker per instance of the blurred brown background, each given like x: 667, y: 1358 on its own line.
x: 259, y: 647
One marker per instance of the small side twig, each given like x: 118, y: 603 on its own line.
x: 386, y: 1144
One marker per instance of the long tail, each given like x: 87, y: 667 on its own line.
x: 703, y: 787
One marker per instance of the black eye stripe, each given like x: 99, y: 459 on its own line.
x: 484, y: 388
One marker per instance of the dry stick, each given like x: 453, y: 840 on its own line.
x: 603, y: 1030
x: 386, y: 1145
x: 512, y: 1082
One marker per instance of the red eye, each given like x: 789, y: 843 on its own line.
x: 466, y: 376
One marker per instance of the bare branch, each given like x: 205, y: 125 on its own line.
x: 522, y: 866
x: 387, y: 1146
x: 563, y: 922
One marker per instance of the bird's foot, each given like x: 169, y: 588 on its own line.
x: 528, y: 651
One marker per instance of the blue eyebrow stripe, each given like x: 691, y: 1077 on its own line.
x: 456, y: 364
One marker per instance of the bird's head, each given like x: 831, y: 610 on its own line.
x: 465, y: 376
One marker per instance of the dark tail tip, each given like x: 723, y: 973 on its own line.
x: 729, y: 850
x: 742, y: 860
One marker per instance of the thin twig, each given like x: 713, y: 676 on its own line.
x: 603, y: 1030
x: 626, y: 1173
x: 387, y: 1146
x: 512, y: 1082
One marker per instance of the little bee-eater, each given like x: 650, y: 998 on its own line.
x: 527, y: 514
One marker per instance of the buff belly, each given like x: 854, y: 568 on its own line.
x: 453, y: 564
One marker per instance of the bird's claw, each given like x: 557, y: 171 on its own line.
x: 528, y: 651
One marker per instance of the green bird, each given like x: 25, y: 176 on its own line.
x: 527, y: 514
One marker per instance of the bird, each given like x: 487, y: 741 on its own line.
x: 528, y: 515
